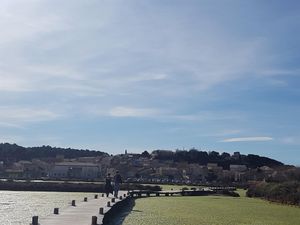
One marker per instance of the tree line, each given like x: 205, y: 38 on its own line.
x: 224, y: 160
x: 10, y: 153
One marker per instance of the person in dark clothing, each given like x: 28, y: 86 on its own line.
x: 108, y: 187
x: 117, y: 181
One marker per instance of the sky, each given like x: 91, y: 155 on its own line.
x: 142, y: 75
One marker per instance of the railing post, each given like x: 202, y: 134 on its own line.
x: 73, y: 203
x: 108, y: 204
x: 101, y: 211
x: 113, y: 200
x: 56, y: 210
x: 94, y: 220
x: 96, y: 196
x: 85, y: 199
x: 35, y: 220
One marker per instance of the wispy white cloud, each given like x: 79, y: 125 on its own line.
x: 182, y: 60
x: 148, y: 77
x: 10, y: 125
x: 281, y: 72
x: 205, y: 115
x: 247, y: 139
x: 17, y: 115
x: 132, y: 112
x: 185, y: 66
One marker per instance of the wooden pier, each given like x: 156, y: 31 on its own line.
x: 86, y: 212
x: 92, y: 211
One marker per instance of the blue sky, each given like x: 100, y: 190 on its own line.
x: 144, y: 75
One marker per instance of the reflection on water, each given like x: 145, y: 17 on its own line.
x: 17, y: 207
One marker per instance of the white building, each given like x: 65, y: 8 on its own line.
x: 77, y: 170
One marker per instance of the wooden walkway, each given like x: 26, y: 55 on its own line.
x: 83, y: 212
x: 92, y: 211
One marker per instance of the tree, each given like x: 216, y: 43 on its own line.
x: 145, y: 154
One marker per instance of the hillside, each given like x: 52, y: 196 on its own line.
x: 14, y: 153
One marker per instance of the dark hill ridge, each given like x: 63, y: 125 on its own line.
x: 13, y: 153
x: 224, y: 160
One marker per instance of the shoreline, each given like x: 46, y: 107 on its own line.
x: 67, y: 186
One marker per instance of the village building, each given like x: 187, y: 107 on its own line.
x: 75, y: 170
x: 238, y: 168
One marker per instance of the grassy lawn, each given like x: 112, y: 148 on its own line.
x: 210, y: 210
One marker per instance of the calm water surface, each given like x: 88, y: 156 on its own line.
x: 17, y: 208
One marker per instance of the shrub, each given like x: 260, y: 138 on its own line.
x: 287, y: 192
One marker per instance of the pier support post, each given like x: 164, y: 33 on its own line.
x: 101, y: 211
x: 56, y: 210
x: 35, y: 220
x: 94, y: 220
x: 96, y: 196
x: 73, y: 203
x: 148, y: 194
x: 157, y: 194
x: 85, y: 199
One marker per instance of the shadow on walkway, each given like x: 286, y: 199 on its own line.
x: 119, y: 216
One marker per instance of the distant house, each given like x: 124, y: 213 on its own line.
x: 238, y: 168
x: 169, y: 172
x: 77, y: 170
x: 214, y: 167
x: 1, y: 165
x: 14, y: 173
x: 238, y: 171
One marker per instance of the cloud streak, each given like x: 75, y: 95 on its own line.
x: 12, y: 116
x: 132, y: 112
x: 247, y: 139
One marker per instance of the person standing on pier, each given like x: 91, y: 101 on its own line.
x: 117, y: 181
x: 108, y: 187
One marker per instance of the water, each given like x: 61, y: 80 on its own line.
x: 17, y: 207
